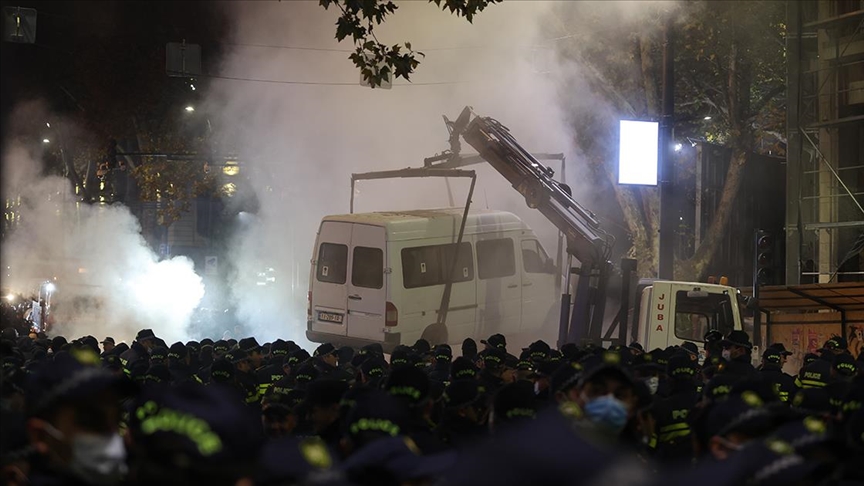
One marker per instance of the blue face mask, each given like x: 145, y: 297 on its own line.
x: 608, y: 412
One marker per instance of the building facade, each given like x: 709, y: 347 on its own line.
x: 825, y: 126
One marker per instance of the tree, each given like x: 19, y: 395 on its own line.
x: 137, y: 104
x: 729, y: 83
x: 376, y: 60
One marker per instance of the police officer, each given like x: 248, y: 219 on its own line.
x: 140, y: 349
x: 244, y: 376
x: 440, y: 371
x: 772, y: 361
x: 734, y: 367
x: 494, y: 374
x: 672, y: 413
x: 713, y: 354
x: 325, y: 361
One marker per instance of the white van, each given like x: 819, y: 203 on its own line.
x: 379, y: 278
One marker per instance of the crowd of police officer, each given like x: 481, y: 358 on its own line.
x: 236, y: 412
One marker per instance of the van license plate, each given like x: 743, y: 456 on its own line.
x: 330, y: 317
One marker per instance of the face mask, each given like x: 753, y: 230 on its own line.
x: 99, y: 458
x: 536, y: 387
x: 608, y: 412
x: 727, y: 354
x: 653, y: 383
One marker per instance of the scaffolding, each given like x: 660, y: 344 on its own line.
x: 825, y: 156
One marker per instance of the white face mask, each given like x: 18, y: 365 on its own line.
x: 100, y: 459
x: 727, y: 354
x: 653, y: 383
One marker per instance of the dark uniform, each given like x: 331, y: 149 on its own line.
x: 672, y: 413
x: 270, y: 374
x: 784, y: 385
x: 731, y: 371
x: 330, y: 372
x: 493, y: 358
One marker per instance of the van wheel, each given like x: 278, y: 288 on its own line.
x: 435, y: 334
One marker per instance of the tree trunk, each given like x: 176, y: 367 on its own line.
x: 694, y: 268
x: 649, y: 81
x: 739, y: 79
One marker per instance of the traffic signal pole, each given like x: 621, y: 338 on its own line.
x: 757, y: 314
x: 765, y: 260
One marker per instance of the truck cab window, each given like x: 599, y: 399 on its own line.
x: 698, y: 314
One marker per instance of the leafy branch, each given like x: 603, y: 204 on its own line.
x: 376, y: 61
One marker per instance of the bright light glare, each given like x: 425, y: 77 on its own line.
x: 45, y: 140
x: 637, y: 152
x: 707, y: 118
x: 678, y: 147
x: 10, y: 297
x: 190, y: 108
x: 50, y: 287
x: 170, y: 285
x: 47, y: 124
x: 193, y: 87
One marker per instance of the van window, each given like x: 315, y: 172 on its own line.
x: 495, y: 258
x: 424, y: 266
x: 695, y: 316
x: 534, y: 258
x: 332, y: 263
x: 367, y: 271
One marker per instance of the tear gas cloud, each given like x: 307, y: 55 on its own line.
x: 108, y: 281
x: 299, y: 145
x: 302, y: 142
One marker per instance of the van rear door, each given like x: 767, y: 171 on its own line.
x: 329, y: 285
x: 367, y: 287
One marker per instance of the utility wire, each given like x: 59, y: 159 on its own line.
x: 420, y: 49
x: 316, y: 83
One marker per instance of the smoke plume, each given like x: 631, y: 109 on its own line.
x: 300, y: 143
x: 108, y: 281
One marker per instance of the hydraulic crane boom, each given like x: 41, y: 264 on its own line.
x: 586, y: 241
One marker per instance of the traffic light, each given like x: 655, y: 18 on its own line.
x: 768, y: 259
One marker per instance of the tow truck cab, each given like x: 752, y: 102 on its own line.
x: 671, y: 313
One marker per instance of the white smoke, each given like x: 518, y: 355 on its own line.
x: 108, y: 281
x: 300, y: 143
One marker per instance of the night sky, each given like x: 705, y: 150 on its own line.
x: 82, y: 47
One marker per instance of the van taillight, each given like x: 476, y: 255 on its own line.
x: 391, y: 315
x: 309, y: 304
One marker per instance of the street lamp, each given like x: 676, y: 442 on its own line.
x: 678, y: 147
x: 190, y: 109
x: 45, y: 140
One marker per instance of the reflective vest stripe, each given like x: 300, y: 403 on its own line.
x: 674, y: 427
x: 812, y: 384
x: 674, y: 435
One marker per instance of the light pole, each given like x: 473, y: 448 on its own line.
x: 667, y: 155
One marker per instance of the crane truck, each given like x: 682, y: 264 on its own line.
x: 663, y: 313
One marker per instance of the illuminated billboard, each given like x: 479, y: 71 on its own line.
x: 637, y: 152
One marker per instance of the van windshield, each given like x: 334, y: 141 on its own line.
x: 695, y: 316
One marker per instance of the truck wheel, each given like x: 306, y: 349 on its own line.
x: 435, y: 334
